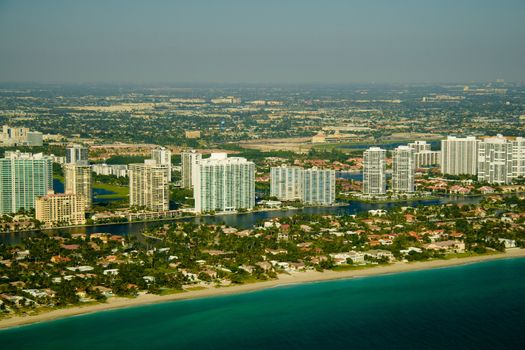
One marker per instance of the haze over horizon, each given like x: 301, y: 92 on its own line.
x: 271, y: 41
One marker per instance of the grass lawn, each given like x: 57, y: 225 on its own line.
x: 195, y: 288
x: 169, y: 291
x: 354, y: 267
x: 469, y: 254
x: 119, y: 191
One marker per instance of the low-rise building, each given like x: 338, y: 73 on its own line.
x: 449, y: 246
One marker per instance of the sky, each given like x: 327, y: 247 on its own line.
x: 262, y: 41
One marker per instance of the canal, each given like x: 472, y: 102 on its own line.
x: 248, y: 220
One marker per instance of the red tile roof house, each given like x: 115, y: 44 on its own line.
x: 70, y: 246
x: 285, y: 227
x: 486, y: 189
x: 459, y: 190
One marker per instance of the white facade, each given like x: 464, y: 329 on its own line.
x: 518, y: 157
x: 189, y: 161
x: 149, y: 186
x: 77, y: 154
x: 494, y: 163
x: 423, y: 154
x: 319, y: 186
x: 419, y: 146
x: 286, y: 183
x: 224, y: 184
x: 459, y: 155
x: 162, y: 156
x: 501, y: 160
x: 118, y: 170
x: 374, y: 167
x: 11, y: 136
x: 427, y: 158
x: 403, y: 169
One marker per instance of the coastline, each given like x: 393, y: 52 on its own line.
x: 295, y: 278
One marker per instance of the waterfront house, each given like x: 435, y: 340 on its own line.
x: 449, y: 246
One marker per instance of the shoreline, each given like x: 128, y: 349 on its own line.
x: 283, y: 280
x: 344, y: 203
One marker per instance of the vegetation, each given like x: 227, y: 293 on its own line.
x: 50, y: 270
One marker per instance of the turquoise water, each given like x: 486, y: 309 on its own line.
x: 478, y: 306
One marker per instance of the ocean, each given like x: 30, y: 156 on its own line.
x: 476, y: 306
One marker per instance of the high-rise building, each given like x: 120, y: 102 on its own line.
x: 148, y: 186
x: 419, y: 146
x: 78, y: 180
x: 60, y: 209
x: 518, y: 157
x: 189, y: 161
x: 162, y: 156
x: 403, y: 169
x: 427, y: 158
x: 319, y: 186
x: 118, y: 170
x: 20, y: 137
x: 224, y: 184
x: 23, y: 178
x: 424, y: 155
x: 286, y: 183
x: 77, y: 154
x: 374, y: 171
x: 501, y: 159
x: 459, y: 156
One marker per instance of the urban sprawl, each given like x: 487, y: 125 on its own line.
x: 99, y: 157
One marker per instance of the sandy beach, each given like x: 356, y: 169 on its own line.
x: 299, y: 277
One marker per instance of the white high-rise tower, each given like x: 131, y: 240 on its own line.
x: 374, y: 167
x: 459, y: 156
x: 403, y: 169
x: 189, y: 161
x: 224, y: 184
x: 162, y: 156
x: 286, y: 183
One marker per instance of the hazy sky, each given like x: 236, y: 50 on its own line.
x: 262, y: 41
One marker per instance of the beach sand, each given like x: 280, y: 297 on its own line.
x: 284, y: 279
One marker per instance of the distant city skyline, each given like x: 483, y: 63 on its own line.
x: 272, y: 42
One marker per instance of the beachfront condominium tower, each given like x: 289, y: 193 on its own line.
x: 224, y: 184
x: 162, y: 156
x: 78, y: 180
x: 76, y: 154
x: 403, y: 169
x: 149, y: 186
x: 319, y: 186
x: 23, y: 178
x: 459, y: 155
x: 374, y: 171
x: 286, y: 183
x: 189, y: 161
